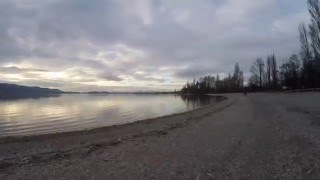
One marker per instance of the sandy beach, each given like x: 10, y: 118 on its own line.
x: 258, y: 136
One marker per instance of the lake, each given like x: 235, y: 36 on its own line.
x: 84, y: 111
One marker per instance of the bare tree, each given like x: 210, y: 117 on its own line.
x: 314, y: 27
x: 305, y: 47
x: 290, y: 72
x: 314, y: 10
x: 315, y: 41
x: 269, y: 62
x: 257, y: 70
x: 237, y: 77
x: 274, y: 71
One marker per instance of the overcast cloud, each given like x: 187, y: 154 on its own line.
x: 118, y: 45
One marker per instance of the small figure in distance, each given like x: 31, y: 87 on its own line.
x: 245, y: 93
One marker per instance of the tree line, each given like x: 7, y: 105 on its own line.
x: 298, y: 71
x: 214, y: 84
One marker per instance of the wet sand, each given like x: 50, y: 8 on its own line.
x: 259, y: 136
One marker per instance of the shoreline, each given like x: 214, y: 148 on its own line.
x: 17, y: 151
x: 7, y: 139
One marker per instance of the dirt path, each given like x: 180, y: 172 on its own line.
x: 259, y: 136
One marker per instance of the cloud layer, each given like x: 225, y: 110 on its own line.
x: 134, y: 45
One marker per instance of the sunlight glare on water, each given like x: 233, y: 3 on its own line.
x: 79, y: 112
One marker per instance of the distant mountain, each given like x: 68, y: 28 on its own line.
x: 13, y: 91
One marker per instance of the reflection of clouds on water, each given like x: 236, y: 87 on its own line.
x: 3, y: 128
x: 77, y: 112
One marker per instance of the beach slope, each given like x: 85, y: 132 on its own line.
x: 258, y: 136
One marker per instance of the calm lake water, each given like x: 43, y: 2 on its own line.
x: 78, y: 112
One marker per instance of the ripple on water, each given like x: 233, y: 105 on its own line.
x: 78, y: 112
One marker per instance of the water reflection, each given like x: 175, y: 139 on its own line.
x: 77, y: 112
x: 194, y: 101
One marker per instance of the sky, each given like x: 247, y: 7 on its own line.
x: 134, y: 45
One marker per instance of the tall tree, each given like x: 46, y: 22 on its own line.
x: 237, y: 77
x: 314, y: 27
x: 268, y: 73
x: 257, y: 70
x: 274, y: 71
x: 314, y: 10
x: 290, y: 72
x: 305, y: 53
x: 315, y: 41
